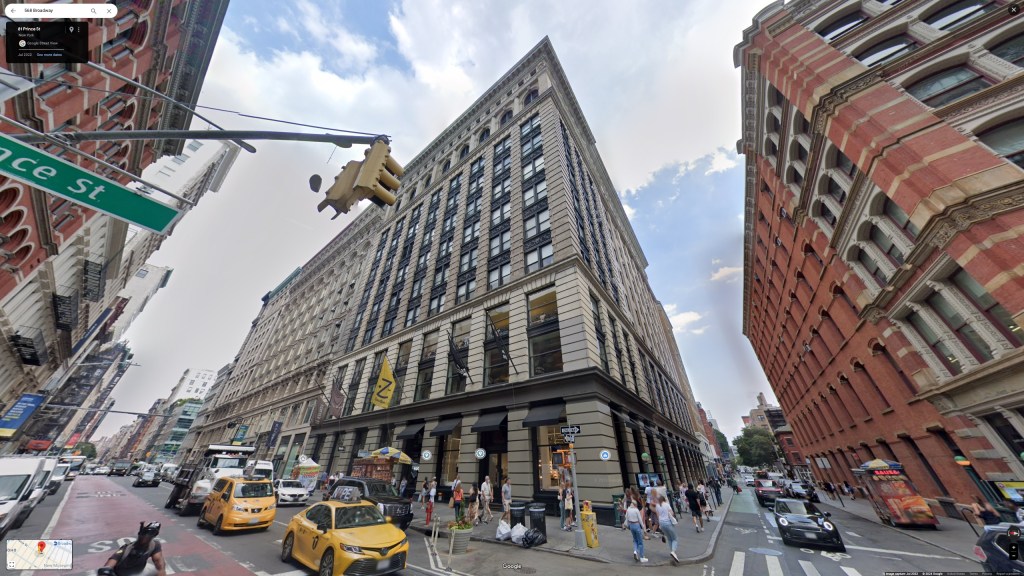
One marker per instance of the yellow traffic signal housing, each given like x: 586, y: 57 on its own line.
x: 341, y: 195
x: 378, y: 177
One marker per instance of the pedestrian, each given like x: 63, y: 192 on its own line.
x: 718, y: 492
x: 634, y: 521
x: 456, y: 482
x: 667, y: 521
x: 985, y: 512
x: 457, y: 499
x: 561, y: 505
x: 485, y: 499
x: 849, y: 490
x: 652, y: 514
x: 506, y: 500
x: 569, y: 509
x: 830, y: 489
x: 627, y: 497
x: 1018, y: 512
x: 323, y: 480
x: 433, y: 490
x: 424, y: 493
x: 693, y: 501
x: 472, y: 500
x: 401, y: 487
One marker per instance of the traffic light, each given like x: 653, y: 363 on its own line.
x: 341, y: 195
x: 378, y: 177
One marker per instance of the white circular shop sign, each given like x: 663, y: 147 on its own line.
x: 426, y: 455
x: 606, y: 455
x: 480, y: 453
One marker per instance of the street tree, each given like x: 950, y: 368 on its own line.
x: 723, y: 442
x: 86, y: 449
x: 755, y: 446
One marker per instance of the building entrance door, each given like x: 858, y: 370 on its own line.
x: 495, y: 464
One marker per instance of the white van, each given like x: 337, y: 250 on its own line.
x: 42, y: 483
x: 168, y: 472
x: 259, y: 469
x: 58, y: 475
x: 18, y: 477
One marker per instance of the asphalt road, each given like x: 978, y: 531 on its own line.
x: 104, y: 512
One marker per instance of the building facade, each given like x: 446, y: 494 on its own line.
x: 62, y: 264
x: 194, y: 383
x: 191, y: 448
x: 883, y: 290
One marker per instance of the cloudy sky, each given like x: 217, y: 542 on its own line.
x: 655, y: 80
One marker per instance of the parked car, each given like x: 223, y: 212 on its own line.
x: 767, y: 491
x: 992, y: 550
x: 103, y: 471
x: 146, y: 477
x: 384, y: 495
x: 18, y: 477
x: 290, y: 492
x: 748, y: 479
x: 800, y: 521
x: 803, y: 491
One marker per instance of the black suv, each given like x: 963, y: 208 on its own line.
x: 383, y: 495
x: 992, y: 550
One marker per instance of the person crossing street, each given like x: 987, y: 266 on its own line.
x: 635, y: 523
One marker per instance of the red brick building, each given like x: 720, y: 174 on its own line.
x: 884, y: 292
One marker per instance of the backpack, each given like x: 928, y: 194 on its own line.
x: 533, y: 537
x: 131, y: 558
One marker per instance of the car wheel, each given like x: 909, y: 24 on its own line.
x: 327, y: 563
x: 201, y: 519
x: 218, y: 528
x: 760, y: 502
x: 19, y: 521
x: 786, y: 541
x: 286, y: 547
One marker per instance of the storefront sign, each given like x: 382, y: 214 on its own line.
x: 92, y: 330
x: 606, y: 455
x: 480, y: 453
x: 65, y: 311
x: 39, y: 444
x: 275, y: 431
x: 426, y: 456
x: 73, y: 440
x: 19, y: 413
x: 887, y: 472
x: 240, y: 434
x: 1012, y: 491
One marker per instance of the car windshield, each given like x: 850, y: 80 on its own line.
x: 355, y: 516
x: 291, y: 484
x: 253, y: 490
x: 794, y: 507
x: 381, y: 489
x: 61, y: 470
x: 11, y: 486
x: 767, y: 484
x: 227, y: 462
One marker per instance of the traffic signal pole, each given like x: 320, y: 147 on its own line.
x: 340, y: 140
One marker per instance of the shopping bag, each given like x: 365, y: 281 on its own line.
x: 504, y: 531
x: 451, y: 502
x: 518, y: 531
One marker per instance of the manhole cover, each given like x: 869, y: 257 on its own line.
x: 766, y: 551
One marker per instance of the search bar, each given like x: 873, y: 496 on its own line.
x: 60, y: 11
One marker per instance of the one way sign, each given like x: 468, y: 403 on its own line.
x: 571, y: 430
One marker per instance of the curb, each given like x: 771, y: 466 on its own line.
x: 707, y: 554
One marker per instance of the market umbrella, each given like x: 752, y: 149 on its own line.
x: 393, y: 453
x: 305, y: 462
x: 878, y: 464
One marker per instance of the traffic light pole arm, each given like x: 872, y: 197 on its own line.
x: 340, y: 140
x: 65, y: 407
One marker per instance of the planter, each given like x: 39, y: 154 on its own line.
x: 460, y: 540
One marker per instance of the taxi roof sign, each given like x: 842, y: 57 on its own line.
x: 347, y: 494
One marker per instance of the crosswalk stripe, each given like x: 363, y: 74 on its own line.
x: 850, y: 571
x: 774, y: 566
x: 809, y: 568
x: 738, y: 558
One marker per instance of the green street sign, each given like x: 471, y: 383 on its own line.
x: 34, y: 167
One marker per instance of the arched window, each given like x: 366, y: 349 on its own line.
x: 447, y: 166
x: 485, y: 134
x: 531, y: 96
x: 464, y: 152
x: 885, y: 244
x: 1007, y: 140
x: 887, y: 50
x: 841, y: 26
x: 836, y: 191
x: 893, y: 211
x: 827, y: 214
x: 506, y: 117
x: 951, y: 84
x: 845, y: 165
x: 872, y: 267
x: 1011, y: 50
x: 959, y: 13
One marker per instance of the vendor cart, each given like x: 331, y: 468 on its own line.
x: 306, y: 472
x: 893, y: 496
x: 377, y: 468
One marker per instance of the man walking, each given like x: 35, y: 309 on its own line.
x: 506, y: 501
x: 718, y: 491
x: 485, y: 500
x: 693, y: 501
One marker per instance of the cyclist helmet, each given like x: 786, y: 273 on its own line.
x: 151, y: 529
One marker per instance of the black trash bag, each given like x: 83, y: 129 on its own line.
x: 533, y: 537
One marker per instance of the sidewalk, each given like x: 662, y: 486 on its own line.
x: 952, y: 534
x: 615, y: 544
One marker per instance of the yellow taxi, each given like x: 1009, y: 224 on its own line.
x: 345, y: 536
x: 239, y: 503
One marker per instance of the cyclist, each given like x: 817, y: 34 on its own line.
x: 133, y: 558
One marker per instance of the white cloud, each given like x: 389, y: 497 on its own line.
x: 716, y: 261
x: 727, y: 273
x: 682, y: 320
x: 720, y: 162
x: 630, y: 211
x: 354, y: 50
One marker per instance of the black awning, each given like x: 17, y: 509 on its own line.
x: 445, y: 427
x: 490, y: 422
x: 544, y: 415
x: 411, y: 431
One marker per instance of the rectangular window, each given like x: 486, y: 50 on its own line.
x: 423, y: 381
x: 423, y: 259
x: 539, y: 258
x: 389, y: 327
x: 446, y: 248
x: 500, y: 243
x: 501, y: 190
x: 429, y: 345
x: 501, y: 213
x: 531, y: 144
x: 501, y: 147
x: 943, y: 351
x: 440, y: 274
x: 465, y: 291
x: 552, y: 454
x: 535, y: 166
x: 460, y: 333
x: 498, y: 320
x: 545, y: 354
x: 495, y: 367
x: 449, y: 222
x: 471, y: 232
x: 467, y: 261
x: 536, y: 224
x: 477, y: 165
x: 498, y: 276
x: 543, y: 307
x: 428, y: 239
x: 400, y: 275
x: 436, y: 305
x: 988, y: 306
x: 472, y: 207
x: 529, y: 125
x: 410, y: 316
x: 456, y: 381
x: 534, y: 193
x: 417, y: 287
x: 404, y: 352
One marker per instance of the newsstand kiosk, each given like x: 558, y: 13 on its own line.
x: 893, y: 495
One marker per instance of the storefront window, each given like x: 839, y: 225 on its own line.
x: 450, y: 464
x: 1007, y: 433
x: 552, y: 452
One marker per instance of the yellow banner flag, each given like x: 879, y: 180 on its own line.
x: 385, y: 386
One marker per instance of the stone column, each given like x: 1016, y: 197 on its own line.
x: 596, y: 479
x: 521, y: 467
x: 997, y: 343
x: 428, y: 468
x: 467, y: 448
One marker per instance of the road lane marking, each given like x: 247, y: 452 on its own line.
x: 774, y: 566
x: 850, y: 571
x: 809, y: 568
x: 854, y: 534
x: 918, y: 554
x: 291, y: 573
x: 738, y: 558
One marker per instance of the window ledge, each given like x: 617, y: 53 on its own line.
x: 868, y: 419
x: 888, y: 410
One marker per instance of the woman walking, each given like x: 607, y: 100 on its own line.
x: 634, y: 521
x: 667, y: 521
x: 569, y: 509
x: 457, y: 497
x: 561, y: 505
x: 472, y: 500
x: 424, y: 493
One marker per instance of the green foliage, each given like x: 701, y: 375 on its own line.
x: 755, y: 447
x: 723, y: 442
x: 87, y: 449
